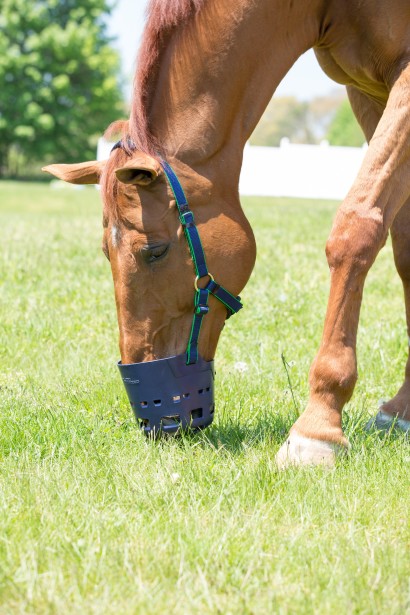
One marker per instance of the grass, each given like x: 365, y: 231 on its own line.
x: 95, y: 519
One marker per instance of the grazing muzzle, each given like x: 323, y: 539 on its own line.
x: 168, y: 395
x: 177, y: 393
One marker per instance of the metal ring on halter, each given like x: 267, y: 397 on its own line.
x: 203, y: 276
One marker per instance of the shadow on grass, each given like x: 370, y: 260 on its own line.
x: 234, y: 433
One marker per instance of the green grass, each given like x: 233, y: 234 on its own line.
x: 96, y: 519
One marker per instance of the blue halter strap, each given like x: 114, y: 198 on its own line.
x: 233, y: 304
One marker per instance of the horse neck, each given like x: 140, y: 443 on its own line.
x: 218, y: 73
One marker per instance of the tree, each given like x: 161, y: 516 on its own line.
x: 344, y: 129
x: 60, y: 84
x: 284, y: 117
x: 300, y: 121
x: 322, y: 111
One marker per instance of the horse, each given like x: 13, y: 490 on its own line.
x: 206, y: 71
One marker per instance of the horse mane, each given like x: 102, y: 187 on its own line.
x: 163, y: 17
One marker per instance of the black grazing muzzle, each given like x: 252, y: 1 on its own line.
x: 168, y: 395
x: 177, y: 393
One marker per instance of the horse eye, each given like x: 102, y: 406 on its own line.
x: 151, y: 254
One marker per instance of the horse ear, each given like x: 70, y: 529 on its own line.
x: 141, y: 169
x: 80, y: 173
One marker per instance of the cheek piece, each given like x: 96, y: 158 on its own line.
x: 177, y: 393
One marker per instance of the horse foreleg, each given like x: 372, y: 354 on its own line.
x: 396, y: 412
x: 359, y: 231
x: 317, y: 435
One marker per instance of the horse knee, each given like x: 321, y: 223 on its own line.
x: 354, y: 242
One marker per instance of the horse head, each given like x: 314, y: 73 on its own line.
x: 162, y: 287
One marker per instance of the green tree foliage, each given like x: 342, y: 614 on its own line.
x: 59, y: 77
x: 325, y: 117
x: 344, y: 129
x: 284, y: 117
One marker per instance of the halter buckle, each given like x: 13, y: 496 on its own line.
x: 187, y: 219
x: 198, y: 277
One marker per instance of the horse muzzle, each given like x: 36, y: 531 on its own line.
x: 169, y: 396
x: 177, y: 393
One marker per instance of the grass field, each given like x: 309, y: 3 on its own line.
x: 95, y: 519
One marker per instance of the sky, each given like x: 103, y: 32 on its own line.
x: 305, y: 80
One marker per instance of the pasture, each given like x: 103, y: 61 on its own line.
x: 96, y: 519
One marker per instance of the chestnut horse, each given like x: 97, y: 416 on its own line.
x: 206, y: 71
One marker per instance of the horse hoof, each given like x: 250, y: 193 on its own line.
x: 301, y: 451
x: 386, y: 422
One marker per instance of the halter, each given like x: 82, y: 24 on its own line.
x: 232, y: 304
x: 176, y: 393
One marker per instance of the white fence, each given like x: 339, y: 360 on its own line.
x: 307, y: 171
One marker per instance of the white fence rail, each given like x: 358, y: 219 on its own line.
x: 306, y: 171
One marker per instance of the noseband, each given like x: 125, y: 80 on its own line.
x: 177, y: 393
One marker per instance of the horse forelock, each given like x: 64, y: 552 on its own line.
x: 163, y: 16
x: 116, y: 131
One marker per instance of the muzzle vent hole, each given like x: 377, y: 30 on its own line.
x: 197, y: 413
x: 157, y: 402
x: 176, y: 399
x: 201, y: 391
x: 207, y: 389
x: 144, y: 404
x: 170, y: 421
x: 185, y: 395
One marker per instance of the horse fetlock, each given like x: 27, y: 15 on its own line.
x: 301, y: 451
x: 399, y: 405
x: 334, y: 374
x: 320, y: 421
